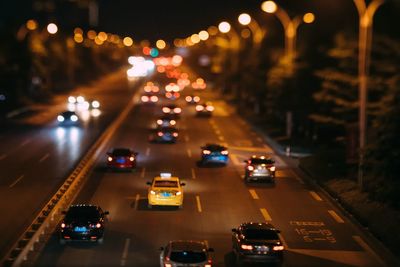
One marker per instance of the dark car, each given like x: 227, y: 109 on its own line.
x: 257, y: 242
x: 164, y: 135
x: 186, y: 253
x: 166, y: 121
x: 149, y: 98
x: 83, y: 222
x: 259, y: 168
x: 68, y: 118
x: 172, y: 109
x: 122, y: 158
x: 214, y: 153
x: 192, y: 99
x: 204, y: 109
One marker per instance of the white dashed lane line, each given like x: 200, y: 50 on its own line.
x: 44, y: 157
x: 16, y: 181
x: 125, y: 252
x: 336, y: 216
x: 193, y: 174
x: 199, y: 209
x: 137, y: 199
x: 315, y: 196
x: 189, y: 152
x: 148, y: 152
x: 27, y: 141
x: 143, y: 172
x: 186, y: 138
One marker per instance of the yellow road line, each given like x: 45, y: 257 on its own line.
x: 198, y: 204
x: 16, y: 181
x: 368, y: 249
x: 221, y: 138
x: 143, y: 172
x: 266, y: 215
x: 193, y: 174
x: 253, y: 194
x: 137, y: 198
x: 235, y: 159
x: 335, y: 216
x: 315, y: 196
x: 189, y: 153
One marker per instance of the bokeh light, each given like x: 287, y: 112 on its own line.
x: 127, y: 41
x: 31, y: 25
x: 308, y: 18
x: 244, y: 19
x: 269, y: 6
x: 224, y: 27
x: 52, y: 28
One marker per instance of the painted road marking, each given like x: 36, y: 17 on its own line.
x: 16, y: 181
x: 315, y: 196
x: 221, y: 138
x: 27, y: 141
x: 235, y: 159
x: 3, y: 156
x: 44, y: 157
x: 193, y: 174
x: 198, y: 204
x: 143, y: 172
x: 266, y: 215
x: 189, y: 152
x: 137, y: 198
x: 335, y: 216
x: 253, y: 194
x: 147, y: 151
x: 368, y: 249
x: 297, y: 177
x: 125, y: 251
x: 283, y: 241
x: 217, y: 132
x: 186, y: 138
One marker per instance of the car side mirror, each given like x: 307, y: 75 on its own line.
x: 149, y: 183
x: 182, y: 184
x: 106, y: 212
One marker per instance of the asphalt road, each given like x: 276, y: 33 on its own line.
x: 36, y: 154
x: 216, y: 200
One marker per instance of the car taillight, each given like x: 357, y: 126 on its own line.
x: 145, y: 98
x: 63, y: 225
x: 210, y: 108
x: 199, y: 107
x: 131, y: 158
x: 172, y: 122
x: 224, y: 152
x: 154, y: 98
x: 152, y: 192
x: 109, y: 158
x: 278, y: 248
x: 160, y: 134
x: 272, y: 168
x: 98, y: 225
x: 159, y: 122
x: 250, y: 168
x: 188, y: 98
x: 166, y: 110
x: 168, y: 95
x: 196, y: 99
x: 246, y: 247
x: 177, y: 110
x: 168, y: 265
x: 206, y: 152
x: 175, y: 134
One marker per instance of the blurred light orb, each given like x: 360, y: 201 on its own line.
x: 91, y: 34
x: 245, y: 33
x: 244, y: 19
x: 31, y: 25
x: 78, y: 38
x: 52, y: 28
x: 102, y: 36
x: 195, y: 38
x: 127, y: 41
x: 154, y: 52
x: 161, y: 44
x: 78, y: 30
x: 308, y: 17
x: 212, y: 30
x: 269, y: 6
x: 203, y: 35
x: 224, y: 27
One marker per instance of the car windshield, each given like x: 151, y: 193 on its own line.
x: 121, y: 152
x: 83, y: 212
x: 188, y: 256
x: 261, y: 234
x: 165, y: 184
x: 262, y: 161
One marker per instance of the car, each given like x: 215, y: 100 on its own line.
x: 186, y: 253
x: 172, y: 109
x: 68, y: 118
x: 192, y: 99
x: 259, y: 168
x: 149, y: 98
x: 164, y: 135
x: 214, y: 153
x: 83, y: 222
x: 172, y: 95
x: 166, y: 121
x: 122, y: 158
x: 165, y: 190
x: 204, y: 109
x: 257, y: 242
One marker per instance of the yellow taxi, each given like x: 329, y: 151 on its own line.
x: 165, y: 190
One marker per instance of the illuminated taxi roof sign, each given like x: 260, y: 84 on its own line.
x: 165, y: 175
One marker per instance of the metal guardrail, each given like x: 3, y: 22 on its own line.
x: 48, y: 218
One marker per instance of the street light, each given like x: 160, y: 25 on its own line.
x: 224, y: 27
x: 257, y: 32
x: 290, y: 25
x: 52, y: 28
x: 366, y: 14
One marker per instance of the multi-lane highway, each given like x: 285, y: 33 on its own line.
x: 216, y: 199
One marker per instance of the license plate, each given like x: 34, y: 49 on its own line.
x: 80, y: 229
x: 262, y: 248
x: 165, y: 194
x: 121, y: 160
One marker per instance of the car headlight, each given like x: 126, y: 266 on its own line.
x: 250, y: 168
x: 206, y: 152
x: 272, y: 168
x: 224, y: 152
x: 109, y: 158
x: 60, y: 118
x: 131, y: 158
x: 278, y: 248
x: 152, y: 192
x: 178, y: 193
x: 95, y: 104
x: 74, y: 118
x: 246, y: 247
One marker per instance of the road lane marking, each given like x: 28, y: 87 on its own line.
x: 186, y: 138
x: 335, y: 216
x: 283, y: 241
x: 147, y: 151
x: 315, y: 196
x: 189, y: 152
x: 368, y: 249
x: 3, y: 156
x: 16, y: 181
x: 253, y: 194
x: 235, y: 159
x: 221, y: 138
x: 266, y: 215
x: 125, y: 251
x: 218, y: 132
x: 296, y: 177
x: 198, y: 204
x: 44, y: 157
x: 137, y: 198
x: 143, y: 172
x: 27, y: 141
x: 193, y: 174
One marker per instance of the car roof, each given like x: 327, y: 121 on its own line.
x: 258, y: 225
x: 186, y: 245
x: 214, y: 146
x: 167, y: 129
x: 172, y: 178
x: 68, y: 112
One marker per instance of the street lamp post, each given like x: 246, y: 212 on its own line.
x: 366, y: 14
x: 257, y: 32
x: 290, y: 26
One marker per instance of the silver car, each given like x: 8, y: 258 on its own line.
x: 185, y: 253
